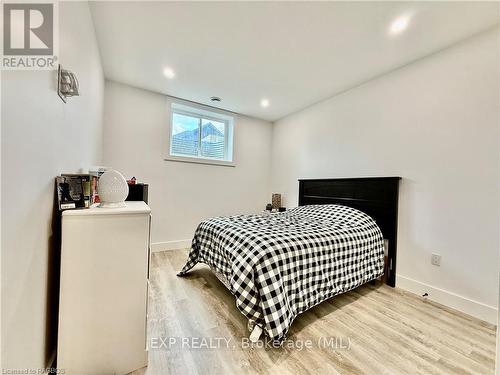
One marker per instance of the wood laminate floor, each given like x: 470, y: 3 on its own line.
x: 371, y: 330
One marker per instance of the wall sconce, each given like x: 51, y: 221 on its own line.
x: 67, y: 84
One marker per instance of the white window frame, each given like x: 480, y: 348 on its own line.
x: 203, y: 114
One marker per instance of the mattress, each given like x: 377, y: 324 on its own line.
x: 280, y: 265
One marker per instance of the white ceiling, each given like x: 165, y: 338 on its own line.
x: 294, y: 54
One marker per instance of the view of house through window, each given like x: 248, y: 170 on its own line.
x: 198, y: 133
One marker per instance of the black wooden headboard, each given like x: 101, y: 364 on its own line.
x: 375, y: 196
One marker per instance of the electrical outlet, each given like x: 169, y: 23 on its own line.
x: 436, y: 259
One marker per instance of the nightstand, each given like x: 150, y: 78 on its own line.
x: 104, y: 289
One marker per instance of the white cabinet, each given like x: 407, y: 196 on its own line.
x: 104, y: 289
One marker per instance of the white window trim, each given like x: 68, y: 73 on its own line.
x: 199, y: 160
x: 197, y: 111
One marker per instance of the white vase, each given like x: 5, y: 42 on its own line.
x: 112, y: 189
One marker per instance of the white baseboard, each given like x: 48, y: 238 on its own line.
x: 170, y: 245
x: 453, y: 300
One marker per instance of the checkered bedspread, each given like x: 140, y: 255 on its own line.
x: 280, y: 265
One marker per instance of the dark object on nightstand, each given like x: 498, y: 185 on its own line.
x: 269, y: 207
x: 282, y: 209
x: 138, y: 192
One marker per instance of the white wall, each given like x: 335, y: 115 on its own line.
x: 136, y: 124
x: 497, y: 363
x: 41, y: 138
x: 436, y: 124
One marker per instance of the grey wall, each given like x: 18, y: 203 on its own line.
x: 435, y: 123
x: 136, y: 124
x: 41, y: 138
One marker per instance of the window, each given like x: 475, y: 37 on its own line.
x: 199, y: 135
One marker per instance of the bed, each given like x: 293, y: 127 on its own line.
x: 281, y: 264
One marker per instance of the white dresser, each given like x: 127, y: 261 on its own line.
x: 104, y: 289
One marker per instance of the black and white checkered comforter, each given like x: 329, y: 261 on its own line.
x: 280, y: 265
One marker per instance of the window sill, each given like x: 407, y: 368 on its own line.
x: 181, y: 159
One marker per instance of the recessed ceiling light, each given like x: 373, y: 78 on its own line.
x: 264, y: 103
x: 399, y: 24
x: 169, y: 73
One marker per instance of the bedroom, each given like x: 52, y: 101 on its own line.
x: 389, y: 108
